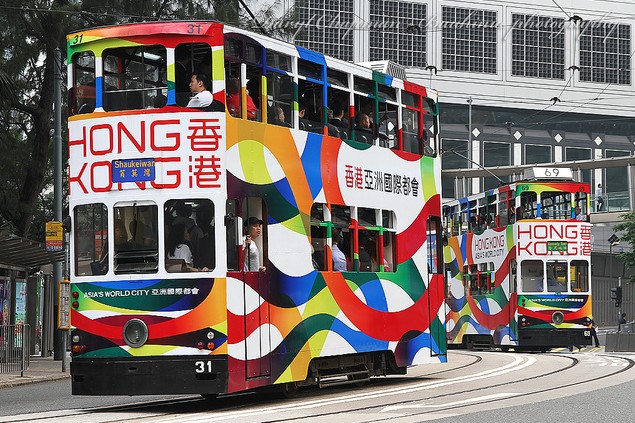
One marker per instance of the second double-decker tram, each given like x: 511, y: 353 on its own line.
x: 518, y: 264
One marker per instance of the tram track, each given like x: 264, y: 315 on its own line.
x: 257, y: 406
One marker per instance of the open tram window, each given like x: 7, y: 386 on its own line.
x: 279, y: 99
x: 134, y: 77
x: 232, y: 235
x: 557, y: 276
x: 579, y: 272
x: 91, y: 239
x: 555, y: 205
x: 341, y: 220
x: 532, y: 275
x: 190, y: 58
x: 434, y: 245
x: 410, y: 122
x: 528, y: 205
x: 387, y: 125
x: 243, y: 71
x: 581, y: 199
x: 311, y: 110
x: 82, y: 94
x: 430, y: 122
x: 318, y: 237
x: 138, y: 250
x: 390, y: 240
x: 190, y: 235
x: 338, y: 100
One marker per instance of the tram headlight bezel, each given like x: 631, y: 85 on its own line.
x: 557, y: 318
x: 135, y: 333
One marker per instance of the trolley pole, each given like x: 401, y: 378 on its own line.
x: 59, y: 344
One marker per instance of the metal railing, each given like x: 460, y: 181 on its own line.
x: 14, y: 348
x: 612, y: 202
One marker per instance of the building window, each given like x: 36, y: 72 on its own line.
x: 605, y: 53
x: 573, y: 153
x: 326, y: 27
x: 399, y: 32
x: 453, y: 161
x: 616, y: 181
x: 537, y: 46
x: 537, y: 154
x: 495, y: 154
x: 469, y: 40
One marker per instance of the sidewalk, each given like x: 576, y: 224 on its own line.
x: 41, y: 369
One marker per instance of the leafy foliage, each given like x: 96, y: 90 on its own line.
x: 626, y: 231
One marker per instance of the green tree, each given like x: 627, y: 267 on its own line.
x: 30, y: 32
x: 626, y: 231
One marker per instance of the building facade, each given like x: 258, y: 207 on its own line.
x: 519, y: 82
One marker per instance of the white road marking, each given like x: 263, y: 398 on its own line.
x: 520, y: 362
x: 452, y: 404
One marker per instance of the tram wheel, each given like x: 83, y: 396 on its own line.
x: 288, y: 390
x: 504, y: 349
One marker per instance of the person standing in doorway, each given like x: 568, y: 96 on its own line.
x: 599, y: 199
x: 253, y: 229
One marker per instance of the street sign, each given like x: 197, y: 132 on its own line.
x: 64, y: 312
x: 613, y: 239
x: 54, y: 236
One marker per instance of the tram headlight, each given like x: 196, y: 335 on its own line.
x: 135, y: 333
x: 557, y: 317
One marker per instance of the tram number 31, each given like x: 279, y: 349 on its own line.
x: 203, y: 367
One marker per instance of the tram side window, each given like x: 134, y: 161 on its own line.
x: 189, y: 235
x: 390, y: 241
x: 134, y: 77
x: 91, y: 239
x: 341, y: 220
x: 528, y: 206
x: 243, y: 62
x: 338, y: 110
x: 410, y: 118
x: 232, y: 229
x: 318, y: 237
x: 310, y: 99
x: 557, y: 276
x: 138, y: 250
x: 431, y: 112
x: 190, y: 58
x: 532, y: 276
x: 279, y: 99
x: 581, y: 201
x: 386, y: 130
x: 434, y: 245
x: 82, y: 95
x: 579, y: 276
x: 555, y: 205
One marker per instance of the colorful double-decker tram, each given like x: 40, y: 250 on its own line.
x: 518, y: 264
x: 256, y: 236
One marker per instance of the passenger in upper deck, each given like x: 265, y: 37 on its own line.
x: 199, y: 85
x: 234, y: 100
x: 579, y: 215
x: 181, y: 70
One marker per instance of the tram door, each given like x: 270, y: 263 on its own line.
x: 436, y: 286
x: 513, y: 300
x: 256, y: 292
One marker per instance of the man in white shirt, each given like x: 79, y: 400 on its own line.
x: 599, y: 201
x: 199, y: 84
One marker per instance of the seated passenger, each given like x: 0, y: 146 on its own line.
x: 363, y: 132
x: 234, y: 100
x: 199, y: 85
x: 277, y: 116
x: 178, y: 248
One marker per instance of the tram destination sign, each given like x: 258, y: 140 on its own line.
x: 133, y: 170
x: 557, y: 246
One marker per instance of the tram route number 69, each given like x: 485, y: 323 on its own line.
x: 203, y: 366
x: 587, y: 333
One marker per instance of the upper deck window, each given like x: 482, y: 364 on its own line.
x: 134, y: 78
x: 82, y: 95
x: 336, y: 77
x: 278, y: 61
x: 310, y: 69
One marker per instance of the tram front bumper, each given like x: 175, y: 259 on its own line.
x: 553, y: 338
x: 125, y: 376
